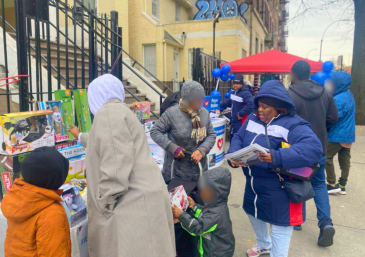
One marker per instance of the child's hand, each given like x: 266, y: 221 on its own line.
x: 176, y: 211
x: 191, y: 202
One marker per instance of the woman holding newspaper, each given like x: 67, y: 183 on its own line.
x: 265, y: 199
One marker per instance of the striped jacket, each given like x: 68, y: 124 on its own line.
x: 264, y: 196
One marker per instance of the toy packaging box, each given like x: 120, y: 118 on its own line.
x: 59, y: 120
x: 73, y: 204
x: 9, y: 170
x: 25, y: 131
x: 143, y: 111
x: 73, y: 152
x: 76, y: 170
x: 67, y: 108
x: 179, y: 198
x: 82, y: 110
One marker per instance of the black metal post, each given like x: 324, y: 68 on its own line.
x: 66, y: 47
x: 106, y: 44
x: 92, y: 64
x: 120, y: 65
x: 58, y: 46
x: 75, y: 50
x: 82, y: 48
x: 114, y: 28
x: 49, y: 70
x: 5, y: 56
x: 21, y: 54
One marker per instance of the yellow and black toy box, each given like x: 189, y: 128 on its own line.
x: 23, y: 132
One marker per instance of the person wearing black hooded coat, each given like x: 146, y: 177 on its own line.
x: 316, y: 106
x: 212, y: 223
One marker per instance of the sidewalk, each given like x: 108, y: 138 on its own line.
x: 348, y: 214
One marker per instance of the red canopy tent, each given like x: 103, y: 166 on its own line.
x: 273, y: 61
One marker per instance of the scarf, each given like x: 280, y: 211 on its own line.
x: 199, y: 131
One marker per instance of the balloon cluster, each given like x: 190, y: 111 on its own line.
x: 322, y: 76
x: 224, y: 75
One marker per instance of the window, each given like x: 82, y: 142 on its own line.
x: 178, y: 12
x: 149, y: 58
x: 244, y: 53
x: 156, y: 8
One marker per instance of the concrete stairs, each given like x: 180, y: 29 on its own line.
x: 129, y: 99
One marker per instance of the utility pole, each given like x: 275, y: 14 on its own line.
x: 216, y: 20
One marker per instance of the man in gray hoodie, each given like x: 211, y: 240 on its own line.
x: 316, y: 106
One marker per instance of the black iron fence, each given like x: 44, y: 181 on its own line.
x: 203, y: 64
x: 74, y: 48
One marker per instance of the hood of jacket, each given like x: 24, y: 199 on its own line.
x: 275, y: 89
x: 309, y: 89
x: 25, y: 200
x: 342, y: 81
x: 218, y: 179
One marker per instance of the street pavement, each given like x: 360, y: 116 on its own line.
x: 348, y: 214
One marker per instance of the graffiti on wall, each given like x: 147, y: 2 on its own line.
x: 228, y: 8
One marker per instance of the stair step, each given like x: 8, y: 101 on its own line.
x: 129, y: 99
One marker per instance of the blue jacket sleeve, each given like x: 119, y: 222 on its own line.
x: 305, y: 150
x: 226, y: 103
x: 248, y: 100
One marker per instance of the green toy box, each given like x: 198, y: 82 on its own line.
x: 82, y: 110
x: 67, y: 108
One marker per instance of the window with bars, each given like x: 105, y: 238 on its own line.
x: 177, y: 12
x: 156, y: 8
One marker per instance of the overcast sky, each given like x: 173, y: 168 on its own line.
x: 305, y: 34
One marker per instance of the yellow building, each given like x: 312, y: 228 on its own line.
x: 161, y: 34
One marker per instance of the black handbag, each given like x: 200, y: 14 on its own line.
x: 298, y: 191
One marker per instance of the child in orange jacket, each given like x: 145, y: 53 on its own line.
x: 37, y: 221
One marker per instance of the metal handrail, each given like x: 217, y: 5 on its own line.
x: 43, y: 58
x: 100, y: 35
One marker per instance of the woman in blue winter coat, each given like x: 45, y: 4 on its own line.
x: 265, y: 201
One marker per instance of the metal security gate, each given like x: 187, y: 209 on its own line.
x: 63, y: 46
x: 203, y: 64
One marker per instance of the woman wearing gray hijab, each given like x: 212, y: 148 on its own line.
x: 185, y: 128
x: 129, y: 208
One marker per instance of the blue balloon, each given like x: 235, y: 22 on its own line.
x: 330, y: 74
x: 231, y: 76
x: 227, y: 95
x: 224, y: 77
x: 215, y: 93
x: 216, y: 73
x: 328, y: 66
x: 226, y: 69
x: 312, y: 77
x: 320, y: 77
x: 231, y: 91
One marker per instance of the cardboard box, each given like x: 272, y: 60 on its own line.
x: 76, y: 170
x: 23, y: 132
x: 65, y: 145
x: 179, y: 198
x: 82, y: 110
x: 73, y: 204
x: 67, y: 108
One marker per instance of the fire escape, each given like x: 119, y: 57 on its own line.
x: 283, y: 32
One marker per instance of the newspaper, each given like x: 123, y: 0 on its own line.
x: 248, y: 154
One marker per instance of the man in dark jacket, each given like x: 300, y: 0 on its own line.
x: 171, y: 100
x: 315, y: 105
x: 241, y: 104
x: 211, y: 223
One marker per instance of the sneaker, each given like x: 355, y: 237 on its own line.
x: 333, y: 189
x: 343, y: 190
x: 298, y: 228
x: 326, y: 234
x: 256, y: 251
